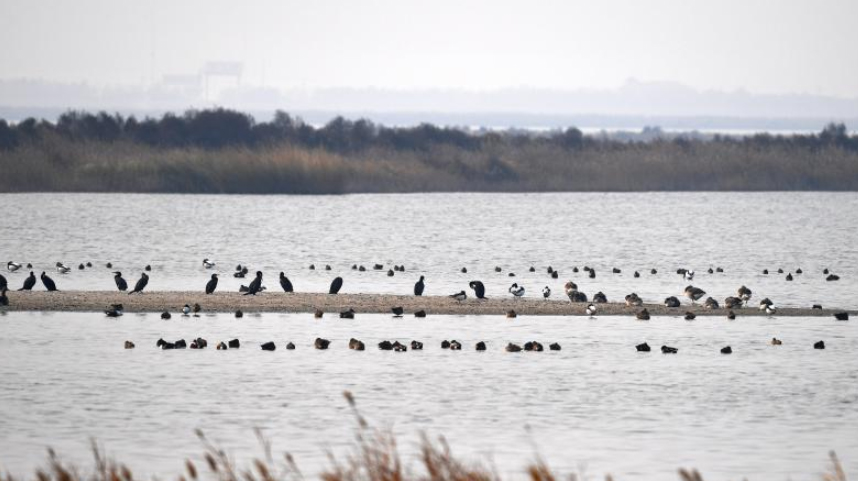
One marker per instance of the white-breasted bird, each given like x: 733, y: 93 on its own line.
x: 546, y: 292
x: 459, y: 296
x: 744, y: 294
x: 186, y: 310
x: 591, y: 310
x: 771, y: 309
x: 208, y: 264
x: 12, y: 266
x: 62, y: 268
x: 516, y: 290
x: 689, y: 275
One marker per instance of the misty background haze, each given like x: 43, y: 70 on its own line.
x: 727, y: 65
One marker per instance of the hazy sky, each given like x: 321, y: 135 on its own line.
x: 761, y: 46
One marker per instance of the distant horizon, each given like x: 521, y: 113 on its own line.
x: 636, y: 104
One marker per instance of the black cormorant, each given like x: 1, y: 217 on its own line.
x: 49, y: 283
x: 255, y: 286
x: 120, y: 282
x: 285, y: 283
x: 141, y: 284
x: 211, y: 285
x: 336, y: 285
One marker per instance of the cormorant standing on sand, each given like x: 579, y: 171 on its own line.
x: 255, y: 286
x: 211, y: 285
x: 120, y: 282
x: 285, y: 283
x: 141, y: 284
x: 29, y: 282
x: 49, y: 283
x: 479, y: 289
x: 336, y: 285
x: 419, y: 286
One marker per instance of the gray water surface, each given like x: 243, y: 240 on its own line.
x: 764, y: 412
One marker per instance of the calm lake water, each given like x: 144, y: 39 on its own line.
x: 765, y: 412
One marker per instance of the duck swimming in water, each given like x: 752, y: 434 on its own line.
x: 208, y: 264
x: 62, y: 268
x: 12, y: 266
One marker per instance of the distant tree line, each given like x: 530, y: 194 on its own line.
x: 221, y: 150
x: 219, y: 128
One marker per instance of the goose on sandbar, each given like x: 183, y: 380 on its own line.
x: 744, y: 294
x: 694, y: 293
x: 634, y: 300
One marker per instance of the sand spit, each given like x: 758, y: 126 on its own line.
x: 362, y: 303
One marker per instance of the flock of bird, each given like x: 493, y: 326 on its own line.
x: 415, y: 345
x: 694, y: 294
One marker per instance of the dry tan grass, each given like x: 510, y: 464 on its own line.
x: 57, y: 163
